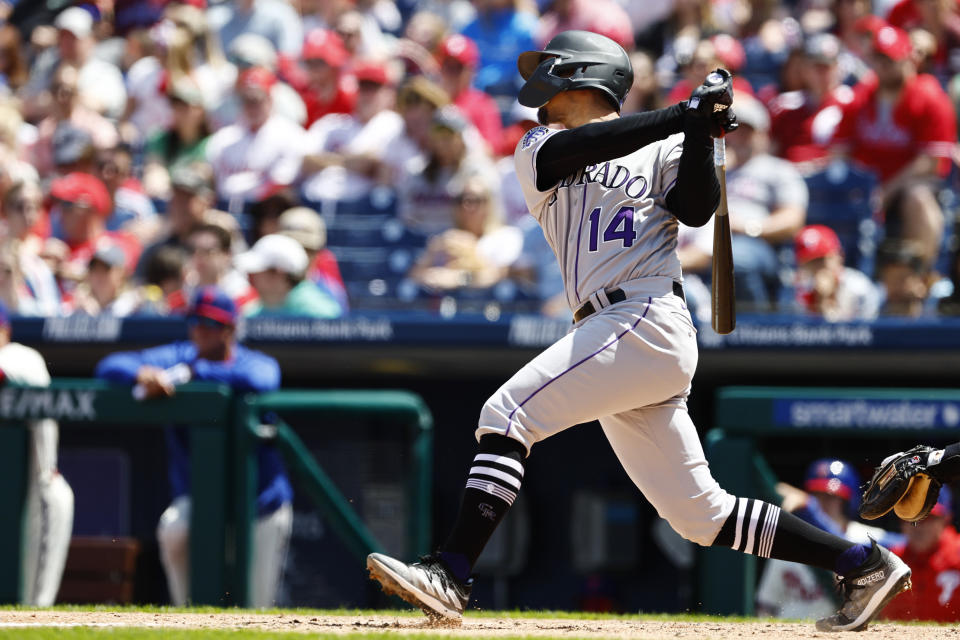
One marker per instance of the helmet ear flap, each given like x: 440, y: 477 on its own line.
x: 542, y: 85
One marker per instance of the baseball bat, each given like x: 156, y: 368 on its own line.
x: 723, y: 311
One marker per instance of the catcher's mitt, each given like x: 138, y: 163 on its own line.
x: 901, y: 483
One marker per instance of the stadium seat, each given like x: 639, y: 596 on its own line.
x: 843, y: 197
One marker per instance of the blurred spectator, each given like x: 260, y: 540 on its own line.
x: 941, y: 20
x: 361, y: 35
x: 501, y: 31
x: 66, y: 110
x: 260, y: 152
x: 458, y: 57
x: 477, y: 251
x: 275, y: 20
x: 905, y: 275
x: 346, y: 153
x: 644, y: 95
x: 191, y: 199
x: 421, y: 37
x: 825, y: 286
x: 695, y: 68
x: 105, y: 290
x: 306, y: 227
x: 210, y: 247
x: 829, y: 500
x: 327, y: 89
x: 904, y: 128
x: 163, y: 290
x: 384, y: 13
x: 417, y: 103
x: 81, y: 209
x: 181, y: 144
x: 22, y: 209
x: 251, y: 51
x: 212, y: 355
x: 514, y: 204
x: 455, y: 14
x: 202, y: 56
x: 932, y: 552
x: 605, y: 17
x: 15, y: 135
x: 73, y: 150
x: 803, y: 122
x: 537, y: 271
x: 13, y: 65
x: 264, y: 214
x: 15, y: 294
x: 768, y: 206
x: 98, y: 84
x: 54, y: 253
x: 133, y: 211
x: 277, y: 266
x: 429, y: 191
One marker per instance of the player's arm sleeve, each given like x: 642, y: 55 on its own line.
x: 122, y: 367
x: 573, y: 149
x: 695, y: 194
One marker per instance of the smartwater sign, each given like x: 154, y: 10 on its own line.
x: 858, y: 413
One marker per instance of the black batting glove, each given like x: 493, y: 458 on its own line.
x: 711, y: 102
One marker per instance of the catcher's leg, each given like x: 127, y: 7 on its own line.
x: 173, y: 536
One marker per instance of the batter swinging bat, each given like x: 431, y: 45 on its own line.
x: 723, y: 312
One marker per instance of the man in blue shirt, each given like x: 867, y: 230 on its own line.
x: 212, y: 354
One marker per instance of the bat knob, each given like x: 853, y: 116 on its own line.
x: 714, y: 79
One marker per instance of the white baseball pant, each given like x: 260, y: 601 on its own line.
x: 271, y: 536
x: 49, y: 518
x: 630, y: 366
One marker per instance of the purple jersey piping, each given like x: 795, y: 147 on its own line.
x: 574, y: 366
x: 576, y: 261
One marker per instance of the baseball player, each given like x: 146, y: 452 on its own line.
x: 212, y: 354
x: 608, y: 192
x: 49, y: 497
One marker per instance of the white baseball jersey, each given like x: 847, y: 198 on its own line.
x: 620, y: 228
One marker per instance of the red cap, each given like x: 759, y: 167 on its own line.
x: 729, y: 51
x: 199, y: 4
x: 326, y: 45
x: 815, y: 241
x: 84, y: 189
x: 870, y: 23
x: 256, y: 78
x: 460, y: 48
x: 892, y: 42
x: 371, y: 71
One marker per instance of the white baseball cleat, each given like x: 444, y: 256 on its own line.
x: 427, y: 584
x: 868, y: 590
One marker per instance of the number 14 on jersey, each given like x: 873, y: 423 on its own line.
x: 619, y: 228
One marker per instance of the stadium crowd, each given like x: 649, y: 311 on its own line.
x: 315, y: 157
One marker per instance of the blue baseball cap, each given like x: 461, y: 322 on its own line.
x: 212, y: 304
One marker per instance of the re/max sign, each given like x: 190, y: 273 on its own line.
x: 61, y: 404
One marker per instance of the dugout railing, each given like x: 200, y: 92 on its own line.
x: 745, y: 416
x: 224, y: 429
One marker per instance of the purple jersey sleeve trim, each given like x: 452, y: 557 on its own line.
x: 576, y: 261
x: 574, y: 366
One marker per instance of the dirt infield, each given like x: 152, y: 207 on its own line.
x: 472, y: 626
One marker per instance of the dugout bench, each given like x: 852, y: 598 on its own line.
x: 744, y: 415
x: 224, y: 431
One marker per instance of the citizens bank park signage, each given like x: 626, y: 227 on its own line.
x: 59, y: 404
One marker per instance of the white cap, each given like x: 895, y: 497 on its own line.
x: 274, y: 252
x: 751, y: 112
x: 77, y: 21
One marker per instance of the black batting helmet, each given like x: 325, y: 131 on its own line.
x: 575, y: 60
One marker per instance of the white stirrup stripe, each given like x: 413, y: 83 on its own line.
x: 504, y: 460
x: 493, y: 489
x: 774, y: 518
x: 741, y: 506
x: 754, y: 516
x: 496, y: 473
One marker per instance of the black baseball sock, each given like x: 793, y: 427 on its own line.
x: 763, y: 529
x: 492, y: 486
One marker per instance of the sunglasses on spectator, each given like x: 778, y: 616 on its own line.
x: 23, y: 206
